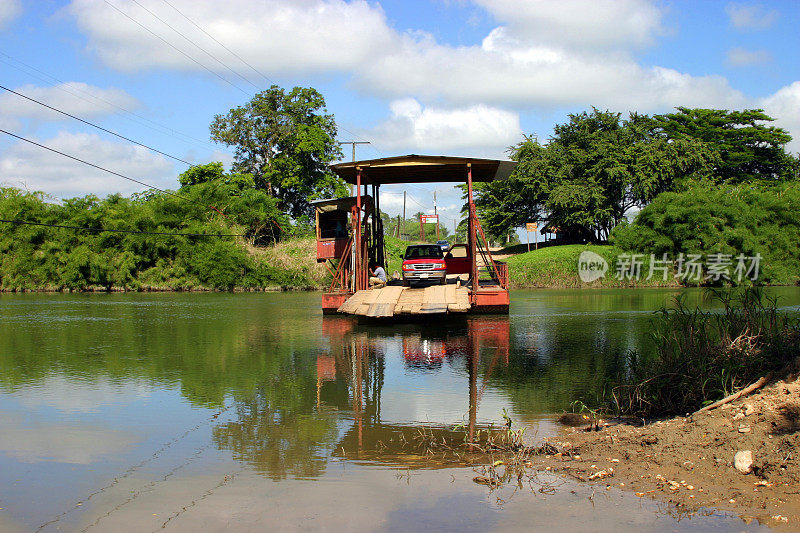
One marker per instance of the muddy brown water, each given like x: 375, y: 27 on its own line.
x: 133, y: 412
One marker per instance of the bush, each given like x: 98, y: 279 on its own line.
x: 702, y: 356
x: 37, y: 257
x: 733, y: 220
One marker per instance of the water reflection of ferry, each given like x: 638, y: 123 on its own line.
x: 371, y: 402
x: 360, y: 376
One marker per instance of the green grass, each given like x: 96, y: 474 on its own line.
x: 293, y: 262
x: 557, y: 266
x: 699, y: 356
x: 394, y: 248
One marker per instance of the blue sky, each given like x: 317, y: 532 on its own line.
x: 437, y: 77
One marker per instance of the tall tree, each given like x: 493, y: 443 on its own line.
x: 591, y: 172
x: 508, y: 204
x: 285, y: 141
x: 748, y: 148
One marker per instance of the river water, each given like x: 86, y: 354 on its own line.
x: 254, y: 412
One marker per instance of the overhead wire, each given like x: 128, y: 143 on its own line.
x: 107, y: 170
x: 209, y: 54
x: 144, y: 121
x: 128, y: 111
x: 234, y: 54
x: 153, y: 187
x: 96, y: 126
x: 151, y: 32
x: 240, y: 58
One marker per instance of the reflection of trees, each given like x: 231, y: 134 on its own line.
x: 558, y: 359
x: 209, y: 345
x: 278, y: 430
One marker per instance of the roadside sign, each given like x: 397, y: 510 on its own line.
x: 531, y: 227
x: 430, y: 219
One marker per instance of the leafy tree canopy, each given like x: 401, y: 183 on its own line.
x: 748, y: 148
x: 285, y: 141
x: 215, y: 172
x: 723, y: 219
x: 592, y: 171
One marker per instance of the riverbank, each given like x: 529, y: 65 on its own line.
x: 700, y: 461
x: 288, y: 265
x: 291, y: 265
x: 556, y: 267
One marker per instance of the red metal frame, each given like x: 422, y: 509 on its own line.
x: 365, y: 246
x: 471, y: 238
x: 500, y: 269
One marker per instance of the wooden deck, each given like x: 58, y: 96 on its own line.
x: 398, y: 301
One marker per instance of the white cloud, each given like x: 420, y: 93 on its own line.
x: 783, y: 107
x: 583, y: 23
x: 77, y: 98
x: 276, y: 36
x: 503, y: 71
x: 740, y: 57
x: 412, y: 128
x: 9, y: 10
x: 542, y: 54
x: 34, y: 168
x: 750, y: 16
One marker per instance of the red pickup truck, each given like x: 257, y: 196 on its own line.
x: 427, y: 262
x: 424, y: 262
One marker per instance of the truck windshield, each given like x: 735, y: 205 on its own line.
x: 428, y: 251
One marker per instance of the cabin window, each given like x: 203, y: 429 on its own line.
x: 333, y: 225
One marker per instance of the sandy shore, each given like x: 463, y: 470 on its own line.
x: 689, y: 461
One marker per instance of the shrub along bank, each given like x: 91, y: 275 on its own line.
x: 44, y: 257
x: 698, y: 357
x: 728, y: 220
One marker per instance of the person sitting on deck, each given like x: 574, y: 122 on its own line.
x: 378, y: 276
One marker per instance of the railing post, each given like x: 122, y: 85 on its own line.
x: 357, y: 273
x: 472, y: 237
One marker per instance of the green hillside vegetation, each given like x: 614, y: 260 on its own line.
x: 729, y: 220
x: 52, y: 258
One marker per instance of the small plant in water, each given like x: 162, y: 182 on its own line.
x: 700, y: 356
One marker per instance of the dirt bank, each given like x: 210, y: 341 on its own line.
x: 690, y: 461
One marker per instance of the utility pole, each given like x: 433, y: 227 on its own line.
x: 435, y: 212
x: 404, y: 212
x: 354, y: 143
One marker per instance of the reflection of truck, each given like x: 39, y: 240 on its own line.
x: 423, y: 353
